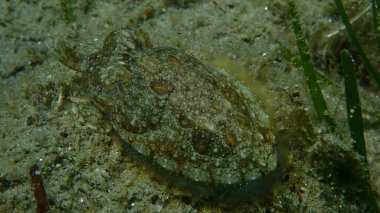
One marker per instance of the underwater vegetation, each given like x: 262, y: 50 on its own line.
x: 354, y: 113
x: 310, y: 73
x: 67, y: 11
x: 374, y: 74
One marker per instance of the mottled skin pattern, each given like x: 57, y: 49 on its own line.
x: 193, y: 120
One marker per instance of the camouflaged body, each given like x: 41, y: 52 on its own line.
x: 189, y: 118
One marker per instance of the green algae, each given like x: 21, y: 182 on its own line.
x: 355, y: 41
x: 355, y: 121
x: 356, y: 176
x: 67, y: 11
x: 376, y: 20
x: 310, y: 72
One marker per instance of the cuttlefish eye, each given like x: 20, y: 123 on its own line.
x: 108, y: 80
x: 108, y: 89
